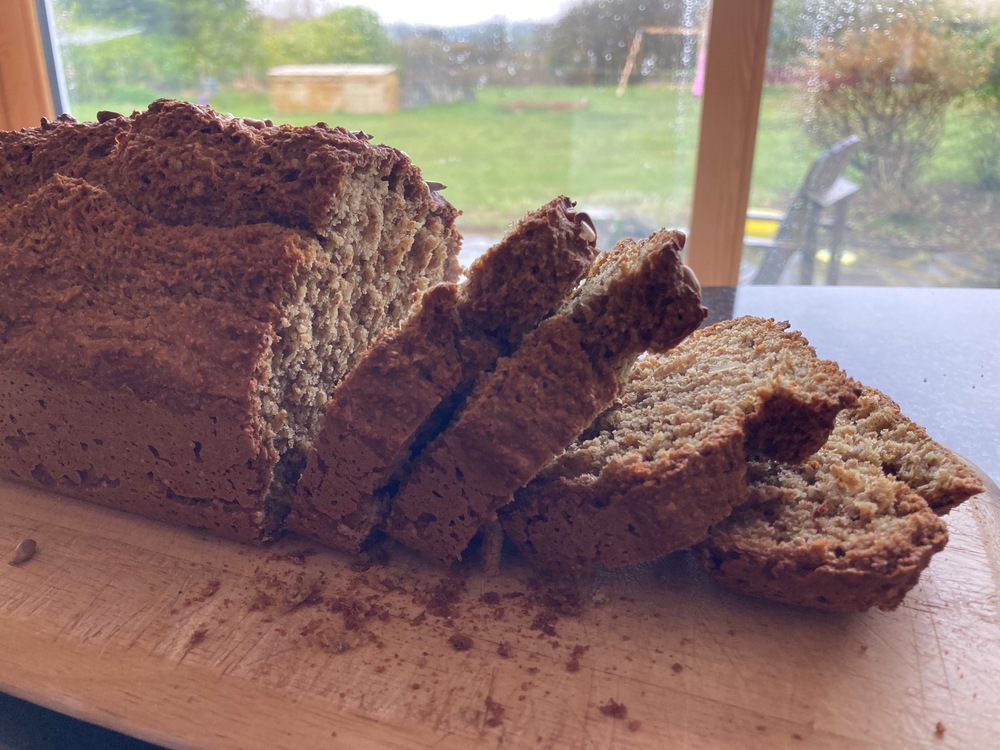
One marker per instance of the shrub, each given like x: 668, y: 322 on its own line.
x: 346, y: 35
x: 986, y: 140
x: 163, y: 45
x: 889, y: 78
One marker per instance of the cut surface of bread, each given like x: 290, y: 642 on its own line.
x: 411, y: 380
x: 668, y: 460
x: 849, y: 529
x: 906, y: 452
x: 166, y: 343
x: 636, y: 297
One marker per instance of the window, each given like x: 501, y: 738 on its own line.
x: 918, y: 82
x: 507, y: 103
x: 511, y: 103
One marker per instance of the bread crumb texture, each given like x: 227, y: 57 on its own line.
x: 668, y: 459
x: 412, y: 380
x: 852, y: 527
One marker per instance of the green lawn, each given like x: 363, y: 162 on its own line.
x: 632, y: 155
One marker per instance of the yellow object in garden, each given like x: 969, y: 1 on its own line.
x: 847, y: 257
x: 763, y: 223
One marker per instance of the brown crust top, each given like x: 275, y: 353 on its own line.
x: 523, y: 278
x: 30, y: 157
x: 185, y: 163
x: 637, y: 297
x: 76, y: 233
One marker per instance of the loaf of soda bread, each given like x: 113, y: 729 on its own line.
x: 668, y: 460
x: 412, y: 379
x: 849, y: 529
x: 636, y: 297
x: 180, y: 290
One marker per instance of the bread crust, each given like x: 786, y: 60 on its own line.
x: 628, y: 513
x: 408, y: 384
x: 534, y: 403
x: 854, y: 585
x: 551, y: 388
x: 150, y: 270
x: 204, y: 467
x: 184, y: 163
x: 670, y: 458
x: 131, y: 382
x: 822, y: 576
x: 372, y: 418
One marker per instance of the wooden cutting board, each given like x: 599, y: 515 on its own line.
x: 189, y: 641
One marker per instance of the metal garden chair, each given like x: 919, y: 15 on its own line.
x: 824, y: 188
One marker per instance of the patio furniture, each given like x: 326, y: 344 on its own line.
x: 824, y: 188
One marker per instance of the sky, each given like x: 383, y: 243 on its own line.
x: 436, y: 12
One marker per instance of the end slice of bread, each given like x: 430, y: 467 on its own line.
x: 851, y: 528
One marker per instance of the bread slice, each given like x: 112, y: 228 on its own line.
x: 905, y: 451
x: 170, y: 325
x: 567, y: 371
x: 669, y: 458
x: 411, y: 380
x: 851, y: 528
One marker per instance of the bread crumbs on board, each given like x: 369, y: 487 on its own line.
x: 24, y: 551
x: 460, y: 642
x: 614, y: 710
x: 494, y: 713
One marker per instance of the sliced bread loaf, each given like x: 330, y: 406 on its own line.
x: 852, y: 527
x: 636, y: 297
x: 180, y: 290
x: 410, y: 381
x: 669, y: 458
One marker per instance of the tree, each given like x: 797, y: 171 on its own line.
x: 888, y: 75
x: 590, y: 42
x: 986, y: 142
x: 169, y: 44
x: 347, y: 35
x: 793, y: 23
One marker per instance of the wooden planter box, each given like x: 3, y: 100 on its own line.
x: 360, y: 89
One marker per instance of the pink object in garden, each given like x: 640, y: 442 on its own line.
x: 698, y: 88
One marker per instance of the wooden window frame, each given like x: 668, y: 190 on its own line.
x: 25, y: 95
x: 734, y: 77
x: 734, y: 81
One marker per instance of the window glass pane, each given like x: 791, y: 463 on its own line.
x: 507, y: 103
x: 918, y: 82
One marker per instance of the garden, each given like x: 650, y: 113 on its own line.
x: 922, y: 89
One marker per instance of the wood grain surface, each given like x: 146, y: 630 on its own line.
x: 189, y: 641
